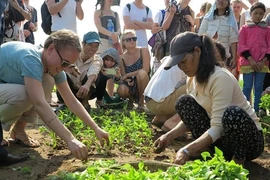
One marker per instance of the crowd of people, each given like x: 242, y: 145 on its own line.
x: 193, y: 57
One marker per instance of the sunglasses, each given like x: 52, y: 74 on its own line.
x: 132, y: 38
x: 64, y: 63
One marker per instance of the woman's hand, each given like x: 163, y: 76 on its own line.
x: 252, y: 63
x: 83, y: 91
x: 118, y: 72
x: 172, y: 9
x: 32, y: 26
x: 189, y: 19
x: 114, y: 37
x: 181, y: 157
x: 232, y: 64
x: 261, y: 63
x: 102, y: 136
x: 124, y: 77
x: 26, y: 33
x: 78, y: 149
x: 161, y: 143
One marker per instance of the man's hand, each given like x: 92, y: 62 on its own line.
x: 73, y: 70
x: 83, y: 91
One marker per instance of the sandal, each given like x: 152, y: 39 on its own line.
x: 27, y: 141
x: 4, y: 143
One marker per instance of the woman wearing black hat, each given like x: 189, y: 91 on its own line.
x: 214, y: 109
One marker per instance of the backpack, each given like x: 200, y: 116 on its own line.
x: 158, y: 42
x: 151, y: 41
x: 147, y: 9
x: 47, y: 18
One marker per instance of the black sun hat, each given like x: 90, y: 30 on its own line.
x: 181, y: 44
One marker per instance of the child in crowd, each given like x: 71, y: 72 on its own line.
x: 254, y: 49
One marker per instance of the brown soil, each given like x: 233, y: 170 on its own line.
x: 46, y: 161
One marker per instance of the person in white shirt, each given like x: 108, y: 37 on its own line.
x: 214, y: 109
x: 162, y: 103
x: 69, y: 10
x: 139, y: 18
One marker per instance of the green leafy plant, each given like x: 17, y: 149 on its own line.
x: 129, y: 131
x: 265, y: 102
x: 215, y: 168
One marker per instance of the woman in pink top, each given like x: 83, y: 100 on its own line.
x: 254, y: 49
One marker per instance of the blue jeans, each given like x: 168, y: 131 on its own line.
x: 256, y: 79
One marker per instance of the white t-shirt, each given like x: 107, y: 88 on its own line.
x: 67, y: 19
x: 158, y: 17
x: 139, y: 15
x: 164, y: 82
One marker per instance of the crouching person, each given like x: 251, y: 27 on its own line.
x: 22, y: 74
x: 160, y: 100
x: 216, y: 113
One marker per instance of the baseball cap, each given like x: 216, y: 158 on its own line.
x: 181, y: 44
x: 91, y: 37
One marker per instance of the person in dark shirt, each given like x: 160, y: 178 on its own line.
x: 30, y: 26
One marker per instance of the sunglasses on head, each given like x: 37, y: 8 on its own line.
x: 131, y: 38
x: 64, y: 63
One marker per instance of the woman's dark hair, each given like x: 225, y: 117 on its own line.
x: 208, y: 60
x: 257, y: 5
x: 227, y: 11
x: 101, y: 2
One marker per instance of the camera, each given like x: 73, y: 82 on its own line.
x: 173, y: 2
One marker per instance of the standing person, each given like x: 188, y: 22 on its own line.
x: 237, y: 10
x: 6, y: 158
x: 22, y: 95
x: 266, y: 82
x: 14, y: 22
x: 205, y: 7
x: 179, y: 19
x: 101, y: 17
x: 30, y: 26
x: 107, y: 37
x: 157, y: 28
x: 221, y: 14
x: 135, y: 67
x: 246, y: 14
x: 254, y: 52
x: 137, y: 16
x: 69, y: 10
x: 216, y: 113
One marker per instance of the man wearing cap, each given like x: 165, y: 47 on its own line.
x: 83, y: 82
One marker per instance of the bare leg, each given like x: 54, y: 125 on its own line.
x: 110, y: 87
x: 171, y: 122
x: 142, y: 81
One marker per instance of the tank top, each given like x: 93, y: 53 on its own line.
x: 104, y: 22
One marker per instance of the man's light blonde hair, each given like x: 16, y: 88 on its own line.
x: 63, y: 39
